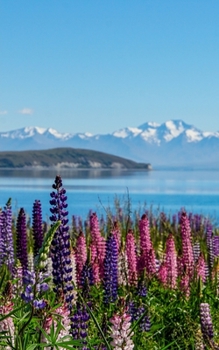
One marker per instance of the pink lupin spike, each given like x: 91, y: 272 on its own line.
x: 131, y: 258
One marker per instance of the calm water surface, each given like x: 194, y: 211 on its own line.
x: 167, y: 190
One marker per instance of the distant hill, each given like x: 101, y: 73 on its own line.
x: 66, y: 158
x: 173, y: 143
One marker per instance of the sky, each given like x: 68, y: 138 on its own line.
x: 99, y: 66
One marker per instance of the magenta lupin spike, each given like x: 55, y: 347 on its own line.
x: 131, y: 258
x: 171, y: 262
x: 185, y: 285
x: 187, y: 251
x: 201, y: 268
x: 80, y: 255
x: 162, y: 274
x: 147, y: 258
x: 98, y: 241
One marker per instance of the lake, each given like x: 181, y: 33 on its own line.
x: 164, y: 189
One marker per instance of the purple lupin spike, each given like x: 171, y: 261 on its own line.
x: 60, y: 247
x: 209, y: 239
x: 21, y: 231
x: 2, y: 241
x: 216, y: 246
x: 37, y: 227
x: 79, y: 324
x: 206, y: 322
x: 6, y: 237
x: 110, y: 279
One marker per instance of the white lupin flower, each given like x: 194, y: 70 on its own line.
x: 121, y: 339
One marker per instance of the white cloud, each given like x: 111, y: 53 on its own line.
x: 3, y: 112
x: 27, y: 111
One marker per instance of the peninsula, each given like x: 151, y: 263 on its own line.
x: 71, y: 158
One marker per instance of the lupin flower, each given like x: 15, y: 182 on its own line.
x: 185, y: 284
x: 131, y: 258
x: 136, y: 312
x: 7, y: 325
x: 60, y: 247
x: 6, y: 237
x: 37, y: 226
x: 162, y: 274
x: 171, y: 262
x: 201, y: 268
x: 34, y: 288
x: 187, y: 251
x: 79, y: 324
x: 110, y: 279
x: 216, y: 246
x: 21, y: 232
x: 209, y: 238
x: 98, y: 246
x: 117, y: 234
x: 80, y: 255
x: 122, y: 268
x: 147, y: 259
x: 121, y: 332
x: 2, y: 241
x: 87, y: 278
x: 206, y: 322
x: 196, y: 251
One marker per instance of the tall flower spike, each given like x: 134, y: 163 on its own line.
x: 6, y: 237
x: 147, y: 259
x: 131, y: 257
x: 201, y: 268
x: 206, y: 322
x: 80, y: 255
x: 2, y: 241
x: 60, y: 247
x: 216, y: 246
x: 209, y: 238
x: 7, y: 325
x: 98, y: 245
x: 79, y: 324
x: 171, y: 262
x: 121, y: 332
x: 21, y: 231
x: 187, y: 251
x: 117, y: 234
x: 37, y: 227
x: 122, y: 268
x: 110, y: 280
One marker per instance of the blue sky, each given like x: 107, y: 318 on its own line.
x: 98, y: 66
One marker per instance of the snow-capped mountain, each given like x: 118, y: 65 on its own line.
x: 171, y: 143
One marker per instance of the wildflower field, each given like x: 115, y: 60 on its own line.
x: 125, y: 281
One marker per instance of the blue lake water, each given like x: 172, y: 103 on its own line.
x: 168, y: 190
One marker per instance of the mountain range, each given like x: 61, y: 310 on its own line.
x: 173, y: 143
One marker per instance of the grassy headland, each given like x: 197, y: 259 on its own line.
x: 66, y: 158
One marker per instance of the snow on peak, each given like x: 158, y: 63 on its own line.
x: 174, y: 129
x: 149, y: 125
x: 153, y: 124
x: 123, y: 133
x: 85, y: 135
x: 193, y: 135
x: 150, y: 135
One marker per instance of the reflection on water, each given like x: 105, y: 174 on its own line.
x: 197, y: 191
x: 68, y: 173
